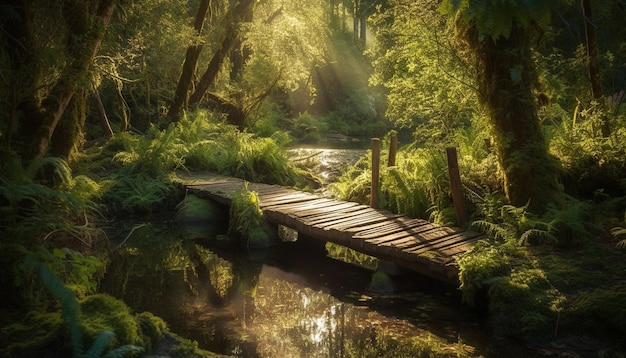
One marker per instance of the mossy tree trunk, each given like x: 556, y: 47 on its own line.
x: 506, y: 78
x: 191, y: 60
x: 44, y: 108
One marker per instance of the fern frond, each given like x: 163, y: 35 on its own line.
x: 60, y: 168
x: 535, y: 234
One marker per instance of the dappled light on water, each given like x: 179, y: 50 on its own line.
x: 289, y: 301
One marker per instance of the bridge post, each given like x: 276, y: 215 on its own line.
x: 393, y: 149
x: 375, y: 173
x: 456, y: 187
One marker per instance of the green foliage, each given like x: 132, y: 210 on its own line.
x: 496, y: 18
x: 482, y: 266
x: 427, y: 85
x: 567, y: 225
x: 524, y: 304
x: 152, y: 329
x: 417, y: 186
x: 137, y: 193
x: 101, y: 312
x: 245, y: 213
x: 594, y: 165
x: 71, y: 314
x: 32, y: 210
x: 198, y: 141
x: 306, y: 128
x: 33, y: 335
x: 513, y: 224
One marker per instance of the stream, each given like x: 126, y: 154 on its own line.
x: 298, y: 299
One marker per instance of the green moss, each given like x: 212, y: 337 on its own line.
x: 381, y: 282
x: 602, y: 310
x: 152, y: 329
x: 522, y: 305
x: 102, y: 312
x: 194, y: 209
x: 34, y: 336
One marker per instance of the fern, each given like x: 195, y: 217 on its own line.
x: 59, y: 167
x: 618, y: 233
x: 245, y: 212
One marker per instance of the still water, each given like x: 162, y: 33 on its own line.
x: 289, y: 301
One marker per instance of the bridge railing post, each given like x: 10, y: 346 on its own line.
x: 456, y: 186
x: 375, y: 173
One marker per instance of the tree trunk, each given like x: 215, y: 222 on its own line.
x: 190, y: 64
x: 85, y: 34
x: 102, y: 114
x: 67, y: 138
x: 363, y: 31
x: 234, y: 16
x: 593, y: 64
x: 240, y: 53
x: 506, y: 77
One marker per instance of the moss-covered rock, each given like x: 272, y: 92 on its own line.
x: 381, y: 283
x: 197, y: 210
x: 201, y: 218
x: 102, y: 312
x: 152, y: 328
x: 262, y: 236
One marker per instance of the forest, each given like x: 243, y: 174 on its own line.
x: 106, y: 104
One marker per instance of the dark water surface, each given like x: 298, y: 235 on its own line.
x: 289, y: 301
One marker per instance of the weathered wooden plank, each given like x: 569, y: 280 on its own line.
x: 400, y: 234
x: 328, y: 216
x: 313, y: 204
x: 411, y: 243
x: 394, y: 227
x: 360, y: 221
x: 435, y: 247
x: 463, y: 247
x: 285, y: 199
x: 340, y: 217
x: 343, y: 207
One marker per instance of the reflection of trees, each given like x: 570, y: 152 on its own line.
x: 295, y: 321
x: 201, y: 295
x: 225, y: 304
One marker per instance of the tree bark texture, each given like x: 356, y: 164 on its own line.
x: 86, y: 23
x: 506, y: 78
x: 191, y: 60
x: 234, y: 17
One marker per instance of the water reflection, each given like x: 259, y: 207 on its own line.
x: 327, y: 163
x: 291, y: 301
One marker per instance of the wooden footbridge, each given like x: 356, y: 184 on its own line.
x: 414, y: 244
